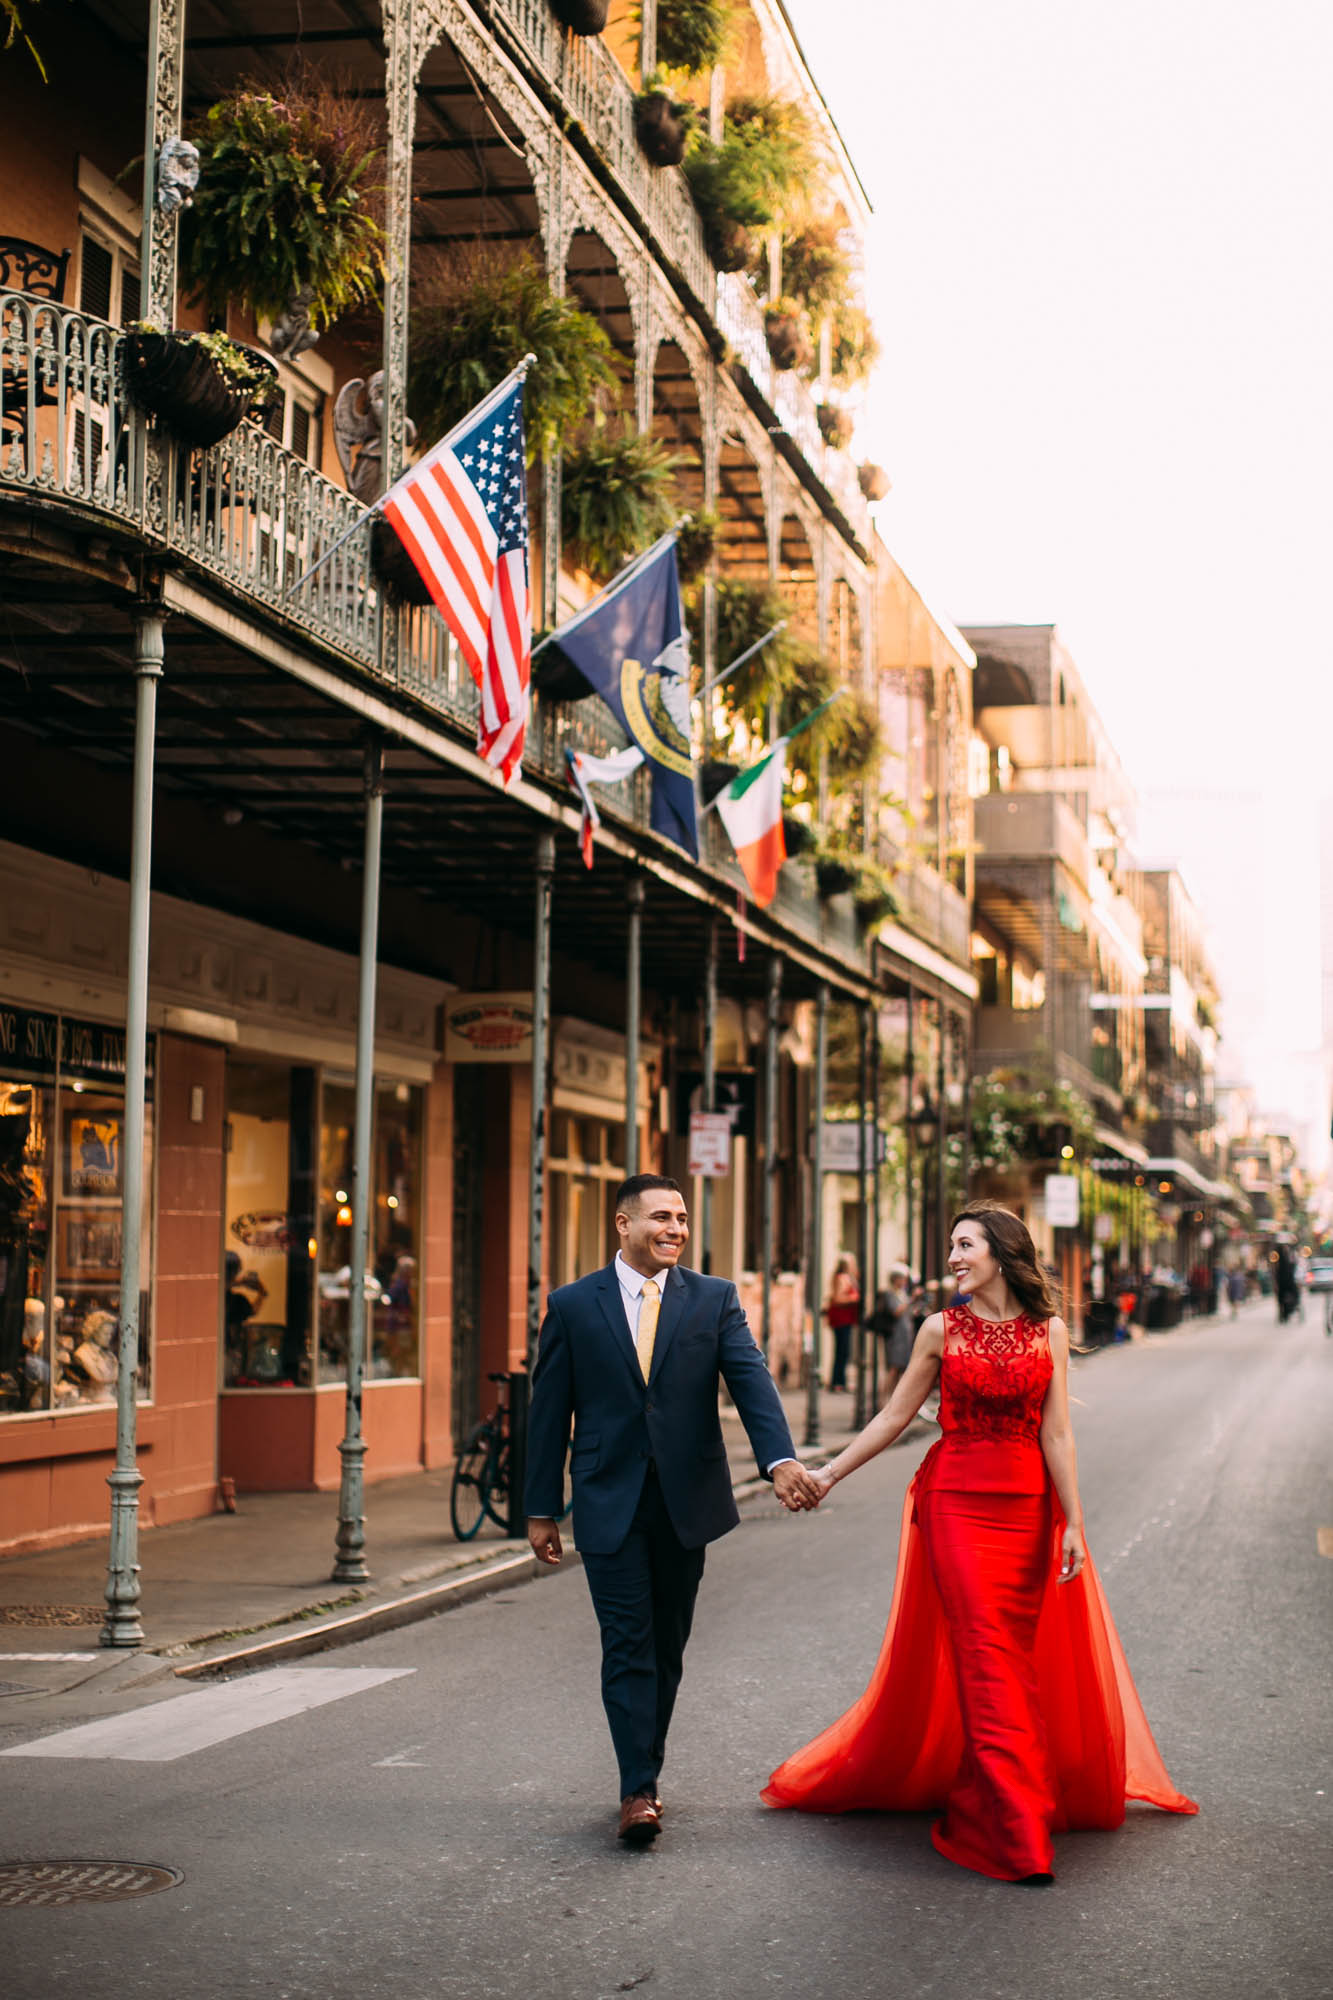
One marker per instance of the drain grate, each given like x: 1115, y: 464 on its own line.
x: 50, y: 1883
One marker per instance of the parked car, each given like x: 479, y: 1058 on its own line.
x: 1319, y: 1274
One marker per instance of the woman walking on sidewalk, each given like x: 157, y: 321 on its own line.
x: 1001, y: 1692
x: 842, y: 1312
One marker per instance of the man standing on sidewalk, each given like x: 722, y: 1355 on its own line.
x: 633, y: 1356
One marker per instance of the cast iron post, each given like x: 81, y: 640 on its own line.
x: 867, y: 1301
x: 541, y: 1014
x: 768, y: 1190
x: 817, y: 1220
x: 633, y: 1009
x: 121, y: 1626
x: 350, y: 1562
x: 874, y: 1200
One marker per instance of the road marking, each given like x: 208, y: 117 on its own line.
x: 1324, y: 1541
x: 166, y: 1730
x: 401, y: 1760
x: 51, y: 1656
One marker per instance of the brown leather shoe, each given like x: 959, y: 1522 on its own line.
x: 640, y: 1821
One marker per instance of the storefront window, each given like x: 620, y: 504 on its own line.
x: 62, y: 1136
x: 587, y: 1165
x: 268, y: 1247
x: 393, y: 1265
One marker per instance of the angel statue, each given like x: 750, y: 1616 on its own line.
x: 358, y: 434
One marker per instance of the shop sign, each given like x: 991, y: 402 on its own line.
x: 710, y: 1144
x: 1101, y: 1228
x: 1062, y: 1193
x: 32, y: 1043
x: 842, y: 1147
x: 488, y: 1027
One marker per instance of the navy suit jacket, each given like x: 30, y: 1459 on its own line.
x: 587, y: 1372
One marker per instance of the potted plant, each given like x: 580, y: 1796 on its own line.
x: 817, y: 266
x: 835, y: 872
x: 662, y: 122
x: 745, y: 611
x: 554, y: 677
x: 694, y: 35
x: 796, y: 835
x: 872, y: 895
x: 581, y: 17
x: 835, y: 426
x: 481, y: 312
x: 200, y: 385
x: 787, y: 332
x: 854, y: 349
x: 616, y: 495
x: 765, y: 157
x: 285, y: 219
x: 873, y: 481
x: 696, y: 541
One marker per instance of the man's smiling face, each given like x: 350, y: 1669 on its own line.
x: 653, y: 1230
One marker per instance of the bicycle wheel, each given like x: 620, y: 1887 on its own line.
x: 495, y: 1485
x: 467, y: 1495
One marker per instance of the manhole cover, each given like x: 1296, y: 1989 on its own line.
x: 52, y: 1882
x: 52, y: 1614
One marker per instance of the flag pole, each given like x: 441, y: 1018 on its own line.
x: 621, y: 578
x: 813, y: 716
x: 486, y: 404
x: 749, y: 654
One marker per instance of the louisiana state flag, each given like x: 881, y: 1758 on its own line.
x: 630, y: 646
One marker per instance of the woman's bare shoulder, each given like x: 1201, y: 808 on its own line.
x: 932, y: 1332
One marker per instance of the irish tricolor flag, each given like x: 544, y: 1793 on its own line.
x: 751, y: 811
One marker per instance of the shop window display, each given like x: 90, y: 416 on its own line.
x: 62, y: 1121
x: 268, y: 1241
x: 391, y: 1278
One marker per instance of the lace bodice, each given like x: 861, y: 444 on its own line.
x: 994, y: 1375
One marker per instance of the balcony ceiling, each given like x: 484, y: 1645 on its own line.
x: 237, y: 736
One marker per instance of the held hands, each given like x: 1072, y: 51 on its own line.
x: 544, y: 1538
x: 796, y: 1486
x: 1073, y: 1555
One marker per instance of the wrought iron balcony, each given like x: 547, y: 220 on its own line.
x: 252, y: 518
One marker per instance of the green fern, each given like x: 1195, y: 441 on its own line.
x: 616, y: 496
x: 693, y: 35
x: 766, y: 160
x: 481, y: 315
x: 286, y: 201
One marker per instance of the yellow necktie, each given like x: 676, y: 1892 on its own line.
x: 646, y: 1338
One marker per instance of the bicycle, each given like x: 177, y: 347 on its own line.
x: 481, y: 1479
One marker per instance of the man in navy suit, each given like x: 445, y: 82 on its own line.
x: 633, y: 1356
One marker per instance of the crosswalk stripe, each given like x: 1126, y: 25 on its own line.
x: 166, y: 1730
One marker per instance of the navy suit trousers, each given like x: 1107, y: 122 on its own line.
x: 643, y: 1595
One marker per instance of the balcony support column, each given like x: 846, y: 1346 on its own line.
x: 647, y: 37
x: 121, y: 1625
x: 816, y: 1258
x: 867, y: 1300
x: 541, y: 1020
x: 162, y: 121
x: 768, y: 1190
x: 872, y: 1280
x: 634, y: 897
x: 350, y: 1563
x: 405, y: 40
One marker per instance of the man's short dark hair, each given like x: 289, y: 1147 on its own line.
x: 629, y: 1191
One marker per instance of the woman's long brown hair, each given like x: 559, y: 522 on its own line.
x: 1015, y: 1253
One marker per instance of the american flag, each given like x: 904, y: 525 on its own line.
x: 462, y: 515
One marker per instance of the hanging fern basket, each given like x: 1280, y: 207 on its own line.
x: 581, y: 17
x: 660, y: 129
x: 180, y: 379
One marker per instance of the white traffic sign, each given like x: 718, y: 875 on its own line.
x: 710, y: 1144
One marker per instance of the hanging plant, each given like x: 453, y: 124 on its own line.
x: 872, y: 895
x: 200, y: 385
x: 817, y: 266
x: 787, y: 332
x: 715, y: 774
x: 766, y: 159
x: 696, y: 541
x: 854, y: 739
x: 288, y: 203
x: 616, y: 496
x: 744, y: 612
x: 662, y: 122
x: 854, y: 349
x: 11, y: 13
x: 873, y: 481
x: 581, y: 17
x: 693, y: 35
x: 796, y: 835
x: 835, y: 872
x: 835, y: 426
x: 480, y: 314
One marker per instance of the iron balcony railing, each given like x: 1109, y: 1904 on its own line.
x: 253, y: 517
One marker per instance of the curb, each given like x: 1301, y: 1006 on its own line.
x: 372, y: 1620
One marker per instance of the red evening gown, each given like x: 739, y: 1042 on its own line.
x: 999, y: 1695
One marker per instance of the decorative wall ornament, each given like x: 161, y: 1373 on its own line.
x: 177, y: 174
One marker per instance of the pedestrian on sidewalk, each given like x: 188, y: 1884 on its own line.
x: 633, y: 1357
x: 842, y: 1310
x: 894, y: 1325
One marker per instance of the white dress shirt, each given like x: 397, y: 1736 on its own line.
x: 632, y: 1283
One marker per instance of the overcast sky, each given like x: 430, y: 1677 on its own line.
x: 1099, y: 269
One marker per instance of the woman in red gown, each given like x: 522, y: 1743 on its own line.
x: 1001, y: 1693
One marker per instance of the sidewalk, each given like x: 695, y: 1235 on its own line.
x: 255, y: 1584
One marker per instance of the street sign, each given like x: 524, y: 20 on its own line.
x: 710, y: 1144
x: 1062, y: 1193
x: 842, y: 1145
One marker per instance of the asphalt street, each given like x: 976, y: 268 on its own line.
x: 433, y: 1813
